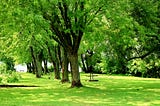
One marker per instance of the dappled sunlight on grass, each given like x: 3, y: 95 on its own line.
x: 109, y: 90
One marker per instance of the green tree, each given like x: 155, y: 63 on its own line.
x: 146, y: 17
x: 133, y: 34
x: 68, y: 22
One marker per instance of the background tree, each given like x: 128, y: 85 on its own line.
x: 132, y: 37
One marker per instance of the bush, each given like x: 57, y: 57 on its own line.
x: 14, y: 77
x: 8, y: 76
x: 137, y: 67
x: 3, y: 68
x: 0, y: 79
x: 143, y: 68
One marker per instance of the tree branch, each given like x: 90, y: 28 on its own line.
x: 142, y: 56
x: 154, y: 36
x: 67, y: 22
x: 96, y: 12
x: 81, y: 25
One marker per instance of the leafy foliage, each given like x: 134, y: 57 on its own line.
x: 8, y: 76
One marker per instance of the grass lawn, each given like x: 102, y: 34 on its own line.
x: 108, y: 91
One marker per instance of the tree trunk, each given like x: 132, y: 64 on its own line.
x: 56, y: 63
x: 36, y: 63
x: 65, y: 63
x: 56, y: 70
x: 73, y: 59
x: 33, y: 60
x: 33, y: 67
x: 45, y: 66
x: 39, y: 67
x: 29, y: 68
x: 83, y: 63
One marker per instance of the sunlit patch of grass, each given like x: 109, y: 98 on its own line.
x: 109, y: 90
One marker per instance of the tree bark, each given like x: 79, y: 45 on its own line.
x: 56, y: 63
x: 33, y: 61
x: 73, y: 59
x: 36, y: 63
x: 65, y: 77
x: 56, y: 70
x: 33, y: 67
x: 45, y: 66
x: 83, y: 63
x: 29, y: 68
x: 39, y: 67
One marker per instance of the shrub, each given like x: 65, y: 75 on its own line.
x: 150, y: 68
x: 137, y: 67
x: 0, y: 79
x: 3, y: 68
x: 8, y: 76
x: 13, y: 77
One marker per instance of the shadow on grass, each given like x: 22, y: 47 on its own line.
x: 11, y: 86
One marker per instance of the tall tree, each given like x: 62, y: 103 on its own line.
x: 68, y: 21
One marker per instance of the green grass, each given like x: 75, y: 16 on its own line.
x: 108, y: 91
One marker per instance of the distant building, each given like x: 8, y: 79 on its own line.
x: 21, y: 68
